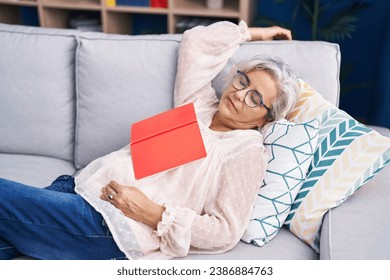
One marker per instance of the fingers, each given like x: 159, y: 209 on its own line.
x: 282, y: 34
x: 115, y: 186
x: 278, y: 33
x: 270, y: 33
x: 110, y: 191
x: 105, y: 194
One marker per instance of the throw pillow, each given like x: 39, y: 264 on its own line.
x: 348, y: 154
x: 290, y: 148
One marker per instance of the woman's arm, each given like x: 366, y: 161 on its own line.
x: 226, y: 213
x: 204, y: 51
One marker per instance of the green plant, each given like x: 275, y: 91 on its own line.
x: 334, y: 27
x: 328, y: 20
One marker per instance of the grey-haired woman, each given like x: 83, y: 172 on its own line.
x: 202, y: 207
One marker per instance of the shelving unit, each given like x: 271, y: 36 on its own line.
x: 119, y: 19
x: 10, y: 10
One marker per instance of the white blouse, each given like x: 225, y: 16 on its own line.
x: 209, y: 201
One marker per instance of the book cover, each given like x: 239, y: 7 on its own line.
x: 165, y: 141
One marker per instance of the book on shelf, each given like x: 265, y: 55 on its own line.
x: 159, y: 3
x: 111, y: 3
x: 141, y: 3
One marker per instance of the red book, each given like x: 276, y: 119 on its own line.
x: 165, y: 141
x: 159, y: 3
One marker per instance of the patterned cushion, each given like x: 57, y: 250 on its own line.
x: 290, y: 147
x: 348, y: 154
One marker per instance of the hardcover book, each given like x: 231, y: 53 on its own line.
x: 165, y: 141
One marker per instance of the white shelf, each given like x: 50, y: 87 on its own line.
x: 118, y: 19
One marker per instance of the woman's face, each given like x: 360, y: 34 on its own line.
x: 233, y: 111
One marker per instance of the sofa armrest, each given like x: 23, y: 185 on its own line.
x: 382, y: 130
x: 359, y: 227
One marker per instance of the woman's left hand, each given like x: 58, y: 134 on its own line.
x: 133, y: 203
x: 269, y: 33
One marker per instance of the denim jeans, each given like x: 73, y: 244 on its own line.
x: 52, y: 223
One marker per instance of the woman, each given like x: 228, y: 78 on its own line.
x: 202, y: 207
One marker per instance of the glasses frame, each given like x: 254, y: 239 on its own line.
x: 246, y: 85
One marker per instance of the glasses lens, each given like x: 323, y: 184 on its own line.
x: 253, y: 99
x: 240, y: 81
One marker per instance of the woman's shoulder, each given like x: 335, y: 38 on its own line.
x: 205, y: 112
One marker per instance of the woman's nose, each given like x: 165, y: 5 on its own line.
x: 240, y: 95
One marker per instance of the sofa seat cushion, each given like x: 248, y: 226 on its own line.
x: 37, y: 171
x: 285, y: 246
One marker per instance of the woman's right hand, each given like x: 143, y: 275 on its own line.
x: 133, y: 203
x: 269, y: 33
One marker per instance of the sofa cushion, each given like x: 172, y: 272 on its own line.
x: 37, y: 171
x: 120, y: 80
x: 37, y: 96
x: 290, y: 149
x: 347, y: 156
x: 285, y: 246
x: 318, y: 63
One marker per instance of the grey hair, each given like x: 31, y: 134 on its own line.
x: 282, y: 74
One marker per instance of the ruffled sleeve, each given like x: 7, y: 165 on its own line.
x: 175, y: 231
x: 204, y: 51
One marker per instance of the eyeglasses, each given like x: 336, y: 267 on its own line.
x: 252, y: 98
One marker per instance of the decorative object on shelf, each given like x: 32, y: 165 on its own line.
x: 85, y: 23
x: 214, y: 4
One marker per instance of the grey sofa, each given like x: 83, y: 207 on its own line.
x: 68, y: 97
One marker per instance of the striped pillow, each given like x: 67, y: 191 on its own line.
x: 348, y: 154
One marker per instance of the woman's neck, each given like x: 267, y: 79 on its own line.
x: 217, y: 125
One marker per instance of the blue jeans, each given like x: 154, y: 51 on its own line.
x: 52, y: 223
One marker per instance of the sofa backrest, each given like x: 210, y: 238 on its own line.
x: 37, y: 93
x: 120, y: 80
x: 108, y: 82
x: 123, y: 79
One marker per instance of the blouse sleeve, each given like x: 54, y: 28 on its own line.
x: 204, y: 51
x: 226, y: 213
